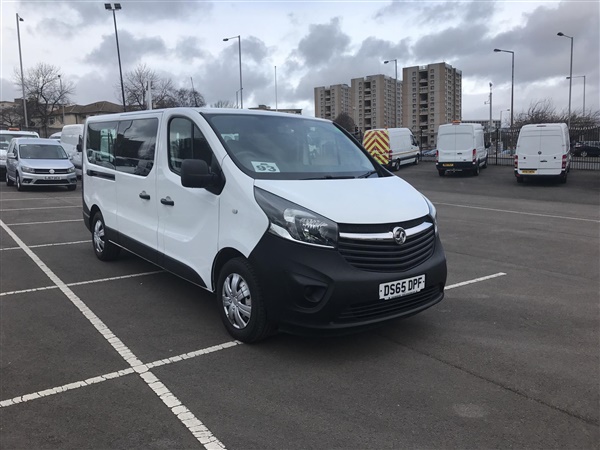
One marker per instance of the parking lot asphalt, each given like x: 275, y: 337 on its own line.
x: 123, y: 355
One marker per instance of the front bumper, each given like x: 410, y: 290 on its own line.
x: 34, y: 179
x: 309, y: 287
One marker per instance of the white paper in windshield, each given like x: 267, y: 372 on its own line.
x: 265, y: 167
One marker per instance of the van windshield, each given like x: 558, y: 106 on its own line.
x: 42, y: 151
x: 291, y: 148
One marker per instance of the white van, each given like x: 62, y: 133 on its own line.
x: 286, y: 218
x: 8, y: 135
x: 543, y: 150
x: 392, y: 147
x: 460, y: 147
x: 70, y: 136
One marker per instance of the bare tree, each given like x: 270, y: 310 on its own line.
x: 135, y: 84
x: 188, y: 97
x: 223, y: 104
x: 44, y: 91
x: 12, y: 116
x: 346, y: 122
x: 543, y: 111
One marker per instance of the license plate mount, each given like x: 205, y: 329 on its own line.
x: 401, y: 288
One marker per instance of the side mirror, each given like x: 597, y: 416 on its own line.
x: 488, y: 145
x: 195, y: 174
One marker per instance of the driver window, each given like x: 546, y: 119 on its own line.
x: 186, y: 141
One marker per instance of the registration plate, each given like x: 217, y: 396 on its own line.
x: 401, y: 288
x: 51, y: 178
x: 448, y: 165
x: 527, y: 171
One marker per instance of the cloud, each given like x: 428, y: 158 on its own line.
x: 323, y: 42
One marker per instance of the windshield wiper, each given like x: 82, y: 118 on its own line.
x: 368, y: 174
x: 331, y: 177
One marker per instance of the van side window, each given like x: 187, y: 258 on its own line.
x: 100, y: 145
x: 136, y: 143
x: 186, y: 141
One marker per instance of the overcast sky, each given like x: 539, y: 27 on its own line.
x: 312, y: 43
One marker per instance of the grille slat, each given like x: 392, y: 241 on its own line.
x: 383, y: 308
x: 387, y: 256
x: 47, y: 171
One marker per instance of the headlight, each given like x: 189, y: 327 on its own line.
x: 71, y: 169
x: 27, y: 169
x: 291, y: 221
x: 432, y: 213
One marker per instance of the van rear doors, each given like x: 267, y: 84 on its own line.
x: 540, y: 150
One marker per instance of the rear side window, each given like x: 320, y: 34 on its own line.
x: 100, y: 143
x: 136, y: 144
x: 186, y: 141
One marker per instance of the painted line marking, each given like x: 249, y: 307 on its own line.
x: 44, y: 207
x: 476, y: 280
x: 186, y: 417
x: 520, y: 212
x: 41, y: 223
x: 112, y: 375
x: 47, y: 245
x: 81, y: 283
x: 30, y: 198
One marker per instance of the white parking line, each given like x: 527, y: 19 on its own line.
x: 519, y: 212
x: 40, y: 223
x: 476, y: 280
x: 3, y: 199
x: 47, y: 245
x: 187, y: 418
x: 44, y: 207
x: 81, y: 283
x: 112, y: 375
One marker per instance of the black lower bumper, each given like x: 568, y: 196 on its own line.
x: 455, y: 166
x: 309, y: 287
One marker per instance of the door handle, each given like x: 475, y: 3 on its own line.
x: 144, y: 196
x: 167, y: 201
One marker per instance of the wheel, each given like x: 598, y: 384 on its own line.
x: 485, y: 163
x: 563, y: 178
x: 104, y: 250
x: 9, y: 182
x: 19, y: 184
x: 519, y: 179
x: 241, y: 304
x: 441, y: 172
x: 416, y: 160
x: 583, y: 153
x: 72, y: 187
x: 476, y: 169
x: 396, y: 165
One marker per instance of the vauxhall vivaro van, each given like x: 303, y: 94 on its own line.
x: 392, y: 147
x: 543, y: 150
x: 286, y: 218
x: 461, y: 147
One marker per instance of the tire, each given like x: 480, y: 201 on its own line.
x: 416, y: 160
x: 476, y: 169
x: 396, y: 165
x: 72, y: 187
x: 18, y: 182
x: 104, y: 250
x: 563, y: 178
x: 9, y: 182
x: 441, y: 173
x: 245, y: 319
x: 485, y: 163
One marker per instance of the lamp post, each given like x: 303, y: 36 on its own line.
x: 62, y: 103
x: 581, y: 76
x: 512, y: 85
x: 490, y: 102
x: 276, y: 109
x: 20, y: 19
x: 116, y: 7
x: 560, y: 33
x: 238, y: 37
x: 395, y: 91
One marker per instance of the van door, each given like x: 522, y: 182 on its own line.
x: 528, y: 149
x: 188, y: 217
x: 551, y: 151
x: 137, y: 217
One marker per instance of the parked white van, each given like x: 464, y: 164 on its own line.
x: 288, y: 220
x: 8, y: 135
x: 392, y: 147
x: 70, y: 136
x: 460, y: 147
x: 543, y: 150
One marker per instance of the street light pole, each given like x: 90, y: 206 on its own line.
x: 512, y: 85
x: 581, y: 76
x: 276, y: 109
x: 501, y: 111
x: 115, y: 7
x: 62, y: 103
x: 395, y: 91
x: 239, y: 38
x: 570, y: 75
x: 20, y: 19
x: 491, y: 120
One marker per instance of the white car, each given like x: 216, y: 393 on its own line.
x: 39, y: 162
x: 6, y: 136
